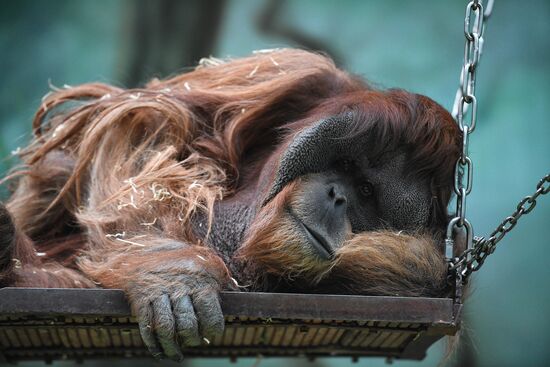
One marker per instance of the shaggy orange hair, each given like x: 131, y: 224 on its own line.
x: 112, y: 171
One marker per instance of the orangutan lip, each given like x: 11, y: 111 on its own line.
x: 319, y: 241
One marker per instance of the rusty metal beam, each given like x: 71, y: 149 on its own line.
x: 109, y: 302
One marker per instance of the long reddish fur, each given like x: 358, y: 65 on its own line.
x: 121, y: 171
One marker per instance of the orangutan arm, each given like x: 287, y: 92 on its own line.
x: 173, y: 290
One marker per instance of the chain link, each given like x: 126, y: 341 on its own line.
x: 472, y: 259
x: 477, y: 248
x: 466, y: 104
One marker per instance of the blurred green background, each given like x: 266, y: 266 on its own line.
x: 408, y: 44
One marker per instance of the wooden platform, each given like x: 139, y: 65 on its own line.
x: 50, y: 324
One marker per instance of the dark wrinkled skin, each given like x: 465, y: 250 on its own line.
x: 170, y: 323
x: 398, y: 201
x: 187, y: 313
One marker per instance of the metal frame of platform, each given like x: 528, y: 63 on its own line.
x: 50, y: 324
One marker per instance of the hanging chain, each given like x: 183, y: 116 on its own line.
x: 478, y: 248
x: 474, y: 27
x: 472, y: 259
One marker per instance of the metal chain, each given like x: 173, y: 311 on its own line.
x: 477, y: 248
x: 474, y: 27
x: 472, y: 259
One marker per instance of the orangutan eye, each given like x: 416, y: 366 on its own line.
x: 366, y: 189
x: 346, y: 165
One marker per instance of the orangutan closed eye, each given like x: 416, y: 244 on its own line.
x: 276, y: 172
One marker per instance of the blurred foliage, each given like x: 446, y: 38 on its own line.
x: 393, y: 44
